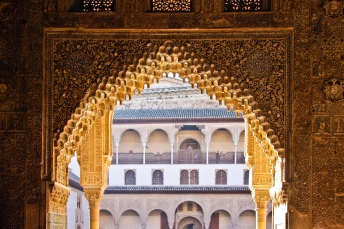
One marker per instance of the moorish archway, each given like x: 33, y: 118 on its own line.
x: 89, y: 131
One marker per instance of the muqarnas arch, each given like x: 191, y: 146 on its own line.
x: 89, y: 131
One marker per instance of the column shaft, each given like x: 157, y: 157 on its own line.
x: 144, y: 153
x: 207, y: 150
x: 116, y: 154
x: 94, y: 217
x: 171, y: 153
x: 235, y: 154
x: 261, y: 218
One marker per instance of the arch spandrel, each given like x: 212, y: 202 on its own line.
x: 96, y: 110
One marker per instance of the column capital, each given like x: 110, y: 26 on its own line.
x: 261, y: 197
x: 58, y: 198
x: 94, y: 196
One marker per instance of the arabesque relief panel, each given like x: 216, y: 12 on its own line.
x: 259, y: 60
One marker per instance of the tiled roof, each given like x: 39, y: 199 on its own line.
x: 73, y: 176
x: 74, y: 181
x: 173, y: 115
x: 176, y: 189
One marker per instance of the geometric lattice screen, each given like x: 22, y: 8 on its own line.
x: 246, y: 5
x: 98, y: 5
x: 171, y: 5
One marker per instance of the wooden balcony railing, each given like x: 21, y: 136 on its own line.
x: 180, y: 157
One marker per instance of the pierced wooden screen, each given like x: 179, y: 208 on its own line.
x: 244, y: 5
x: 184, y: 177
x: 164, y: 221
x: 194, y: 177
x: 190, y: 206
x: 158, y: 177
x: 98, y: 5
x: 130, y: 178
x: 246, y: 177
x: 221, y: 177
x: 171, y: 5
x: 214, y: 221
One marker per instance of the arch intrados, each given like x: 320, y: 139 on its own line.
x: 187, y: 201
x: 221, y: 209
x: 188, y: 138
x: 106, y: 211
x: 157, y: 209
x: 128, y: 129
x: 130, y: 209
x: 246, y: 211
x: 151, y: 131
x: 221, y: 128
x: 188, y: 216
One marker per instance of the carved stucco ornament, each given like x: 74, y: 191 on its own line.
x: 334, y: 89
x: 334, y: 8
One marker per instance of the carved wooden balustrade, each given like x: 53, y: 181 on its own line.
x: 180, y: 157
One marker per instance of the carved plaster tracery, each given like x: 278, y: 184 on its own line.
x: 89, y: 132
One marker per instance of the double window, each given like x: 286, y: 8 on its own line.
x: 186, y: 179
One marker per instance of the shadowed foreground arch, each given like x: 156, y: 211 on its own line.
x: 89, y: 131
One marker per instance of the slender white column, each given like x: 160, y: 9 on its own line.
x: 207, y: 150
x: 116, y: 145
x: 144, y: 153
x: 235, y: 153
x: 171, y: 153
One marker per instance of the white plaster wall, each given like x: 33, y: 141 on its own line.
x: 71, y: 209
x: 74, y: 166
x: 153, y: 221
x: 235, y: 174
x: 130, y: 220
x: 221, y: 141
x: 85, y: 209
x: 279, y: 216
x: 225, y: 220
x: 130, y: 140
x: 71, y: 206
x: 158, y: 142
x: 106, y: 220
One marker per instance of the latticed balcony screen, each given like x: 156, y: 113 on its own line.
x: 98, y: 5
x: 171, y: 5
x: 246, y: 5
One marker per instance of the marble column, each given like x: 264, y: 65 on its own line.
x: 144, y: 145
x: 261, y: 198
x: 94, y: 196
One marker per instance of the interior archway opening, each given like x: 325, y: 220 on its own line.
x: 237, y: 100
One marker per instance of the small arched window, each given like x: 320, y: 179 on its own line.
x: 184, y: 177
x: 180, y: 207
x: 158, y: 177
x: 246, y: 176
x: 194, y: 177
x: 221, y: 177
x: 130, y: 178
